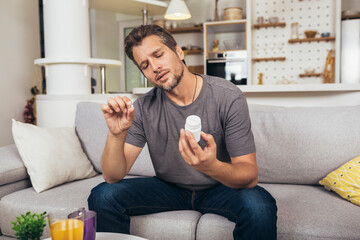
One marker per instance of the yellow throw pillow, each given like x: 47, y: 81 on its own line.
x: 345, y: 181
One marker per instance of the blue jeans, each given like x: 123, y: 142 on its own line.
x: 253, y: 210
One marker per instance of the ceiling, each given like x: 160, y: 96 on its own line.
x: 130, y: 7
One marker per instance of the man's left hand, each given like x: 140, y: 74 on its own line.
x: 194, y: 155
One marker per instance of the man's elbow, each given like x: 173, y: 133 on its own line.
x: 110, y: 180
x: 253, y: 183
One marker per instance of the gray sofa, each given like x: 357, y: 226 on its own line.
x: 296, y: 147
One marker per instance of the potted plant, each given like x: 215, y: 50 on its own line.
x: 29, y: 226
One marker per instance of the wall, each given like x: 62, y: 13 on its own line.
x: 19, y: 46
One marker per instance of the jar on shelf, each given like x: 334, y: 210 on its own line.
x: 232, y: 13
x: 294, y: 30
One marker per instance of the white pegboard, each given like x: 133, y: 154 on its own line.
x: 273, y: 41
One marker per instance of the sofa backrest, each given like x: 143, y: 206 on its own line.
x: 301, y: 145
x: 92, y: 131
x: 298, y: 145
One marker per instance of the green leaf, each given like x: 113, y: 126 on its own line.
x: 29, y: 226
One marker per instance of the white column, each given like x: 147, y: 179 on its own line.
x: 67, y: 62
x: 67, y: 40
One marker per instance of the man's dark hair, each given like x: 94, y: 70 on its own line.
x: 137, y: 35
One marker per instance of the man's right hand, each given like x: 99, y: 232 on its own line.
x: 119, y: 114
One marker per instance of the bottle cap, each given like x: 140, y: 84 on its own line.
x: 193, y: 122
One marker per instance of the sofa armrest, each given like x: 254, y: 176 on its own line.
x: 12, y: 167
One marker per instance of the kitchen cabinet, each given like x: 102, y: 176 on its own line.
x: 225, y: 50
x: 230, y: 34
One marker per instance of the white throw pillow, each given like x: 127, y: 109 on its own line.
x: 52, y: 156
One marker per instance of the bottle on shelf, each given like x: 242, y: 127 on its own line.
x: 260, y: 82
x: 294, y: 30
x: 216, y: 17
x: 215, y: 46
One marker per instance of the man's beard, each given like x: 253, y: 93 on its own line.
x: 173, y: 82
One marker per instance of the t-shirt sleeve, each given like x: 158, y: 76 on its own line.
x: 238, y: 135
x: 136, y: 133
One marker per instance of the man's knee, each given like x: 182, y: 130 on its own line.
x: 106, y: 194
x: 102, y: 196
x: 257, y: 217
x: 104, y: 200
x: 260, y: 207
x: 96, y: 198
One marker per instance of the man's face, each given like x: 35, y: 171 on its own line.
x: 160, y: 64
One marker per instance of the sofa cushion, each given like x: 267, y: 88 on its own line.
x: 304, y: 212
x: 302, y: 145
x: 174, y: 225
x: 212, y: 226
x: 52, y: 156
x: 12, y: 167
x: 311, y: 212
x: 92, y: 131
x: 345, y: 181
x: 65, y: 198
x: 13, y: 187
x: 53, y: 201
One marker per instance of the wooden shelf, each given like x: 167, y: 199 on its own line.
x: 269, y: 59
x: 350, y: 17
x: 303, y: 75
x: 227, y: 50
x: 185, y: 30
x: 225, y: 26
x: 196, y: 69
x: 296, y: 40
x: 265, y: 25
x: 193, y: 51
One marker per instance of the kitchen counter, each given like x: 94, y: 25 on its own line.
x: 334, y: 87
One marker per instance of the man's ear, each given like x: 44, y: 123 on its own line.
x: 180, y: 52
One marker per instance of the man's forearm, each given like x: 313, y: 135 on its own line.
x: 234, y: 175
x: 113, y: 161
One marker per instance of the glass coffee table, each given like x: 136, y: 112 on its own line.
x: 114, y: 236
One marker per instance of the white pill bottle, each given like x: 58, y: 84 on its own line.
x: 193, y: 125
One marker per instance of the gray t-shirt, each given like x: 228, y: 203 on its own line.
x: 224, y: 114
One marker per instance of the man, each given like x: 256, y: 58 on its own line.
x: 217, y: 175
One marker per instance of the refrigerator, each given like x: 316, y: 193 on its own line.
x: 350, y: 51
